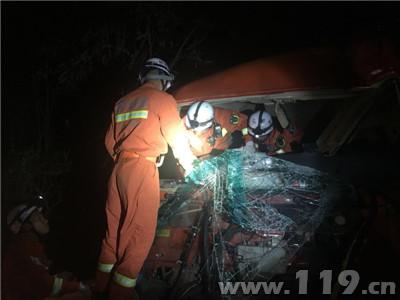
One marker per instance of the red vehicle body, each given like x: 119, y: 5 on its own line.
x: 303, y: 75
x: 311, y: 74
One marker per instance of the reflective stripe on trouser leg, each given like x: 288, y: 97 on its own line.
x: 124, y: 281
x: 57, y: 285
x: 106, y: 268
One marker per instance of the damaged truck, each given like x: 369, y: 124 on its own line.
x: 252, y: 218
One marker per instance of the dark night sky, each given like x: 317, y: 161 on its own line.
x: 247, y: 30
x: 67, y: 37
x: 39, y: 36
x: 235, y: 31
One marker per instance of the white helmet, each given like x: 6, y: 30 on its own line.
x: 260, y: 124
x: 164, y: 73
x: 19, y: 215
x: 200, y: 116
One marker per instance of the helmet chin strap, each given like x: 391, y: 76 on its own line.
x: 165, y: 81
x: 259, y: 122
x: 258, y: 131
x: 194, y: 123
x: 166, y: 84
x: 197, y: 111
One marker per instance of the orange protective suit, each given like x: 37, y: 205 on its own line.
x: 279, y: 142
x: 143, y: 123
x: 229, y: 121
x: 25, y: 273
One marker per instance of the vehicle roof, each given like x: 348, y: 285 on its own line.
x: 308, y: 73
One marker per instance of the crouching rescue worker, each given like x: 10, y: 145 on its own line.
x: 265, y: 137
x: 25, y: 265
x: 143, y: 123
x: 213, y: 129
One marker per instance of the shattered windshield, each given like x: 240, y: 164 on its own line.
x: 255, y: 212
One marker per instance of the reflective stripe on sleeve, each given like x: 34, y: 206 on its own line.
x: 106, y: 268
x: 134, y: 114
x: 124, y: 280
x: 245, y: 131
x: 57, y: 285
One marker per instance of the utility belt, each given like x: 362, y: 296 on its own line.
x: 130, y: 154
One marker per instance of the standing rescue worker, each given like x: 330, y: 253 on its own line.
x: 213, y: 128
x: 264, y: 137
x: 25, y: 265
x: 143, y: 123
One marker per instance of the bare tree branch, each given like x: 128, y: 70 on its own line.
x: 185, y: 41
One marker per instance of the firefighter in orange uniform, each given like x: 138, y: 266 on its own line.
x: 143, y: 123
x: 25, y: 265
x: 213, y: 129
x: 264, y: 137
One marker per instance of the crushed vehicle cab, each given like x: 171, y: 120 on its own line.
x: 241, y: 217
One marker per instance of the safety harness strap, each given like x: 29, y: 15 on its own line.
x: 124, y: 280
